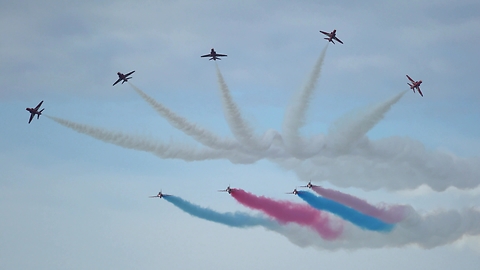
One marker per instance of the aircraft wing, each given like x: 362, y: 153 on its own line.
x: 119, y: 79
x: 128, y: 74
x: 325, y: 33
x: 39, y: 105
x: 338, y: 40
x: 206, y: 55
x: 221, y: 55
x: 31, y: 117
x: 420, y: 92
x: 410, y: 79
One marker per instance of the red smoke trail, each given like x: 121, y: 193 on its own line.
x: 286, y: 212
x: 388, y: 214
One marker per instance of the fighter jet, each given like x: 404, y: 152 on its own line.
x: 415, y: 85
x: 36, y: 111
x: 294, y: 192
x: 123, y: 77
x: 228, y: 189
x: 214, y: 55
x: 159, y: 195
x: 309, y: 185
x: 331, y: 36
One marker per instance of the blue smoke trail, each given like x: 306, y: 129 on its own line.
x: 237, y: 219
x: 361, y: 220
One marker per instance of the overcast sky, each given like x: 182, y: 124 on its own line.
x: 73, y: 201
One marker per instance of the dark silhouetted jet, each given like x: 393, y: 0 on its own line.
x: 415, y: 85
x: 159, y: 195
x: 228, y: 189
x: 309, y: 185
x: 294, y: 192
x: 214, y: 55
x: 36, y: 111
x: 331, y: 36
x: 123, y: 77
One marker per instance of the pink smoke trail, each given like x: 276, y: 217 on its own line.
x: 386, y: 213
x: 286, y: 212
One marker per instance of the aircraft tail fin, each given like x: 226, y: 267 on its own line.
x: 411, y: 87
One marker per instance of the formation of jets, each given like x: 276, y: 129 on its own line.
x: 295, y: 191
x: 123, y: 77
x: 229, y: 191
x: 331, y: 37
x: 35, y: 111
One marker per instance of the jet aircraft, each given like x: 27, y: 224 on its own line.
x: 415, y: 85
x: 228, y: 189
x: 309, y: 185
x: 35, y: 111
x: 294, y: 192
x: 331, y: 36
x: 159, y: 195
x: 214, y: 55
x: 123, y: 77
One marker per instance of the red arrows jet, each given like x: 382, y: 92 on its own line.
x: 415, y: 85
x: 34, y: 111
x: 214, y: 55
x: 331, y: 36
x: 294, y: 192
x: 228, y: 189
x: 123, y: 77
x: 159, y: 195
x: 309, y: 185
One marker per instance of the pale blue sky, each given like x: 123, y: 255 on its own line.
x: 69, y: 201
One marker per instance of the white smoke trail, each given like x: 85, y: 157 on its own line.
x: 239, y: 127
x: 350, y: 129
x: 200, y: 134
x: 350, y: 159
x: 170, y: 151
x: 296, y: 114
x: 426, y: 231
x: 393, y: 163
